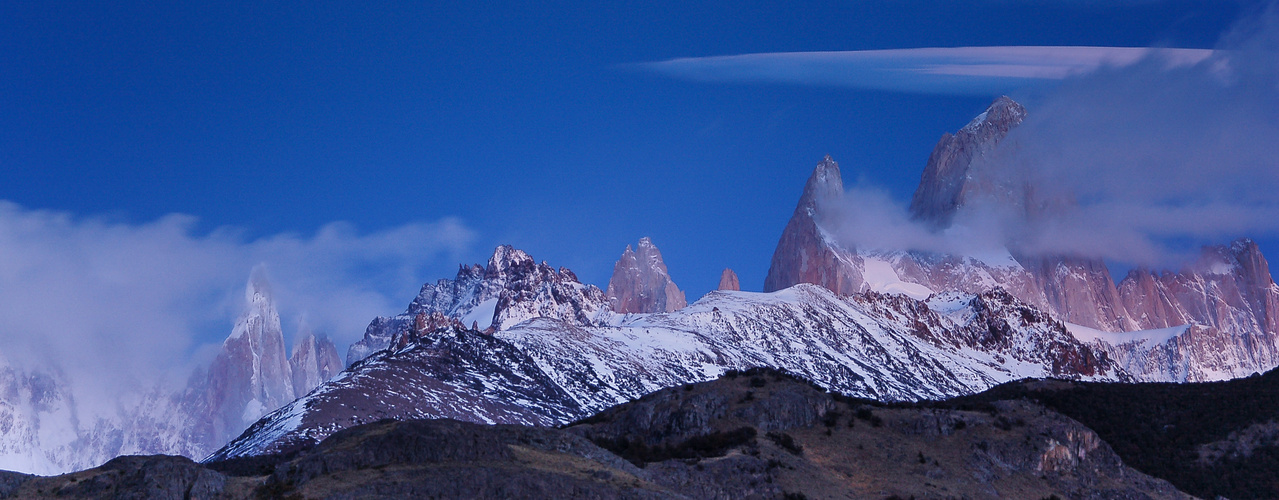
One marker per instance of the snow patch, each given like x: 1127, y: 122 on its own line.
x: 1221, y: 268
x: 481, y: 315
x: 880, y: 277
x: 1148, y: 338
x: 977, y: 122
x: 253, y: 411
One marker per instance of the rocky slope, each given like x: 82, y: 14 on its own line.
x: 641, y: 282
x: 549, y: 371
x: 1212, y: 439
x: 757, y: 434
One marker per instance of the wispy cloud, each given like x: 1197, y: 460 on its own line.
x: 936, y: 70
x: 114, y: 304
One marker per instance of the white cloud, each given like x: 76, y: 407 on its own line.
x: 934, y: 70
x: 114, y: 304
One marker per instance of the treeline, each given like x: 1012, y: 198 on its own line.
x: 1157, y: 428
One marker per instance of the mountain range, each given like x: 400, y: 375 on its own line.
x: 519, y: 342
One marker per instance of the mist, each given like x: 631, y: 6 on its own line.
x: 1135, y: 164
x: 115, y: 307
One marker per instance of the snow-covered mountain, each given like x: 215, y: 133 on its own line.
x: 516, y: 341
x: 523, y: 343
x: 510, y: 289
x: 547, y: 371
x: 1228, y: 301
x: 45, y: 430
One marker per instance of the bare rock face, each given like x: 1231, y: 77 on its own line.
x: 1080, y: 291
x: 805, y: 253
x: 641, y: 282
x: 1230, y: 287
x: 728, y: 281
x: 1230, y: 303
x: 315, y: 360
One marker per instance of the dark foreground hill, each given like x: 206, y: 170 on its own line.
x: 1209, y: 439
x: 758, y: 434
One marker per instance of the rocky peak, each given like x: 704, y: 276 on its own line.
x: 315, y: 360
x: 507, y: 260
x: 804, y: 254
x: 728, y: 281
x: 1251, y: 264
x: 641, y: 282
x: 423, y: 325
x: 948, y: 179
x: 825, y: 184
x: 1001, y: 116
x: 510, y: 289
x: 251, y: 375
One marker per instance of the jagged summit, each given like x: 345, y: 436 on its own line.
x: 315, y: 359
x: 504, y: 259
x: 1224, y: 308
x: 510, y: 289
x: 251, y: 376
x: 825, y: 184
x: 641, y: 282
x: 804, y: 253
x: 1001, y: 116
x: 949, y: 180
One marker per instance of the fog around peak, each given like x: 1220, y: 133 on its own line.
x: 1135, y: 164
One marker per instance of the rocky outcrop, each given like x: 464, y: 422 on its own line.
x: 728, y: 281
x: 156, y: 476
x: 641, y: 282
x: 805, y: 253
x: 510, y: 289
x: 826, y: 446
x: 314, y: 360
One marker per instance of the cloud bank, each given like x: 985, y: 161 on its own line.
x: 1150, y: 154
x: 936, y: 70
x: 1137, y: 163
x: 115, y: 305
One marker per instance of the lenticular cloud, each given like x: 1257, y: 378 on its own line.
x: 934, y: 70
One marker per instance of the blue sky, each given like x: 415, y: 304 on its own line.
x: 500, y: 122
